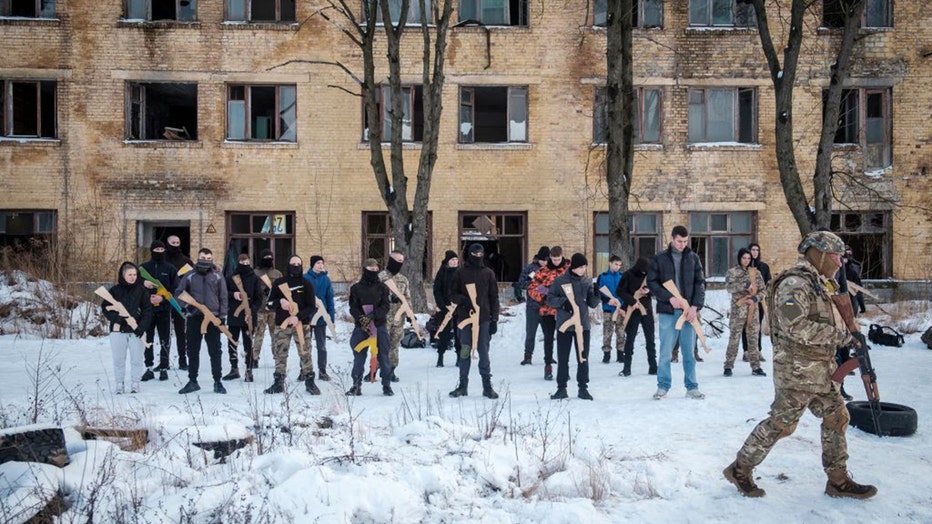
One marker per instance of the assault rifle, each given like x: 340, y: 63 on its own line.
x: 293, y: 309
x: 405, y: 308
x: 696, y: 322
x: 472, y: 319
x: 574, y: 321
x: 160, y: 289
x: 209, y: 317
x: 451, y: 309
x: 862, y: 358
x: 116, y: 305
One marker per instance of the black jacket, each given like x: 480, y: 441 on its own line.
x: 443, y: 286
x: 853, y: 271
x: 302, y: 292
x: 369, y: 291
x: 763, y: 268
x: 176, y: 258
x: 209, y: 289
x: 692, y: 285
x: 135, y: 298
x: 583, y: 291
x: 167, y: 274
x: 255, y: 292
x: 631, y: 281
x: 475, y: 272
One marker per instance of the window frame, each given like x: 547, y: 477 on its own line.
x: 710, y: 234
x: 736, y: 121
x: 637, y: 13
x: 147, y: 5
x: 131, y: 89
x: 8, y: 110
x: 48, y: 237
x: 510, y: 91
x: 856, y: 235
x: 6, y: 9
x: 826, y: 23
x: 248, y: 13
x: 413, y: 94
x: 388, y: 239
x: 861, y: 121
x: 247, y: 108
x: 710, y: 10
x: 639, y: 115
x: 523, y: 14
x: 414, y: 15
x: 281, y: 259
x: 636, y: 236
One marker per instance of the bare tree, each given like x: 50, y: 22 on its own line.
x: 619, y: 150
x: 784, y: 79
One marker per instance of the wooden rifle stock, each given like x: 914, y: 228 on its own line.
x: 472, y: 319
x: 405, y: 308
x: 574, y: 321
x: 209, y: 317
x: 116, y: 305
x: 696, y: 323
x: 323, y: 313
x: 293, y: 309
x: 605, y: 291
x: 244, y: 302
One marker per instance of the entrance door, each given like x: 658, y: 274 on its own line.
x: 150, y: 230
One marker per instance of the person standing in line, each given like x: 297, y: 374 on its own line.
x: 162, y: 310
x: 610, y: 279
x: 538, y: 288
x: 293, y: 325
x: 746, y: 295
x: 266, y: 318
x: 764, y: 269
x: 183, y: 264
x: 532, y: 307
x: 396, y: 327
x: 853, y: 274
x: 806, y: 327
x: 443, y: 281
x: 681, y: 265
x: 240, y: 326
x: 323, y: 289
x: 124, y: 339
x: 208, y: 287
x: 633, y: 281
x: 368, y: 305
x: 585, y: 297
x: 474, y: 272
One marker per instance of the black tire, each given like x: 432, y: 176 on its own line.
x: 46, y: 445
x: 896, y: 420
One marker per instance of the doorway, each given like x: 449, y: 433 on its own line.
x: 150, y: 230
x: 503, y: 236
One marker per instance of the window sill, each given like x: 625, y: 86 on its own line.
x: 508, y: 146
x: 637, y: 147
x: 16, y: 20
x: 822, y: 30
x: 34, y: 142
x: 723, y: 146
x: 167, y: 144
x: 603, y: 29
x: 261, y: 26
x: 258, y: 144
x: 719, y: 29
x: 496, y: 28
x: 407, y: 146
x: 841, y: 148
x: 158, y: 24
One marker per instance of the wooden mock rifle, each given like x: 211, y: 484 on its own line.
x: 209, y: 317
x: 266, y: 280
x: 574, y: 321
x: 117, y: 306
x: 370, y: 342
x: 451, y: 309
x: 185, y: 269
x: 607, y: 292
x: 862, y: 358
x: 160, y: 289
x: 404, y: 309
x: 696, y: 322
x: 638, y: 295
x: 244, y: 303
x: 472, y: 319
x: 293, y: 309
x: 323, y: 313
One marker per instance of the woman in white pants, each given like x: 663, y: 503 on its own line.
x: 125, y: 339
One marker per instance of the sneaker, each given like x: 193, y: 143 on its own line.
x: 559, y: 395
x: 526, y: 361
x: 584, y: 394
x: 695, y: 394
x: 323, y: 376
x: 232, y: 375
x: 727, y: 372
x: 743, y: 479
x: 134, y: 388
x: 190, y: 387
x: 119, y: 390
x: 548, y: 372
x: 163, y: 376
x: 759, y: 372
x: 148, y: 375
x: 660, y: 393
x: 218, y: 388
x: 387, y: 391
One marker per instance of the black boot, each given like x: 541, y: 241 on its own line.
x: 387, y: 391
x: 527, y: 360
x: 559, y: 395
x: 626, y: 371
x: 232, y: 375
x: 278, y: 386
x: 461, y: 388
x: 606, y: 357
x: 148, y: 375
x: 311, y: 387
x: 584, y: 394
x: 440, y: 359
x: 248, y: 377
x: 619, y: 356
x: 356, y: 389
x: 487, y: 390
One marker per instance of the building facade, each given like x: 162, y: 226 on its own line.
x: 226, y: 123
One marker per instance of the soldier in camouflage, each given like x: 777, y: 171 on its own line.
x: 396, y: 328
x: 805, y: 329
x: 745, y: 299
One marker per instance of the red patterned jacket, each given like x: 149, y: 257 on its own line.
x: 541, y: 282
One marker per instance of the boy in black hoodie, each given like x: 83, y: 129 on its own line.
x: 302, y: 293
x: 167, y: 274
x: 368, y: 305
x: 632, y: 281
x: 239, y: 326
x: 585, y: 296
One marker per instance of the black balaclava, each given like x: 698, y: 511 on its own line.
x: 295, y: 270
x: 266, y: 260
x: 157, y: 257
x: 204, y: 266
x: 393, y: 266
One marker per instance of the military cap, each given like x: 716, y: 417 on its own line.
x: 824, y: 241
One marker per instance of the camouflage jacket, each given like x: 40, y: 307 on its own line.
x: 402, y: 282
x: 805, y: 330
x: 738, y: 280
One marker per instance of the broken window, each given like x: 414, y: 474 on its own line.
x: 493, y: 114
x: 161, y: 111
x: 378, y: 241
x: 156, y: 10
x: 262, y: 113
x: 503, y: 236
x: 867, y: 110
x: 27, y: 229
x: 394, y: 8
x: 28, y: 109
x: 645, y: 237
x: 717, y: 237
x: 494, y: 12
x: 251, y: 232
x: 412, y: 124
x: 723, y: 115
x: 646, y: 118
x: 28, y: 8
x: 646, y: 13
x: 261, y: 10
x: 869, y: 235
x: 721, y: 13
x: 877, y: 13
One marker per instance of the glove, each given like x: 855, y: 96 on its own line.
x: 363, y: 321
x: 568, y: 306
x: 493, y: 327
x: 394, y: 299
x: 543, y: 290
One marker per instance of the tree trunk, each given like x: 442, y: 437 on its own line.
x: 619, y: 149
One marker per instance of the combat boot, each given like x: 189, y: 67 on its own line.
x: 310, y: 386
x: 743, y: 479
x: 487, y: 390
x: 356, y: 389
x: 619, y: 356
x: 840, y: 485
x: 548, y: 372
x: 606, y: 357
x: 461, y: 389
x: 278, y: 386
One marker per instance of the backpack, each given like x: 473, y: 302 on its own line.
x: 410, y: 340
x: 885, y: 336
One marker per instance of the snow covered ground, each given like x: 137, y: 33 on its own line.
x: 422, y: 457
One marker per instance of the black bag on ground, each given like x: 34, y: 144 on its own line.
x: 433, y: 323
x: 410, y: 340
x: 885, y: 336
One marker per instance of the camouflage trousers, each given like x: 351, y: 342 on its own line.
x: 738, y: 322
x: 395, y: 331
x: 609, y: 328
x: 281, y: 342
x: 263, y: 319
x: 787, y: 408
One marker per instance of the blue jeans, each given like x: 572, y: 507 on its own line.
x: 668, y: 337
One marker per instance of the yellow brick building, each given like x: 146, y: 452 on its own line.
x: 127, y: 122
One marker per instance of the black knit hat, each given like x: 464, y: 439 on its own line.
x: 578, y: 260
x: 476, y: 249
x: 641, y: 266
x: 155, y: 244
x: 449, y: 255
x: 543, y: 253
x: 315, y: 259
